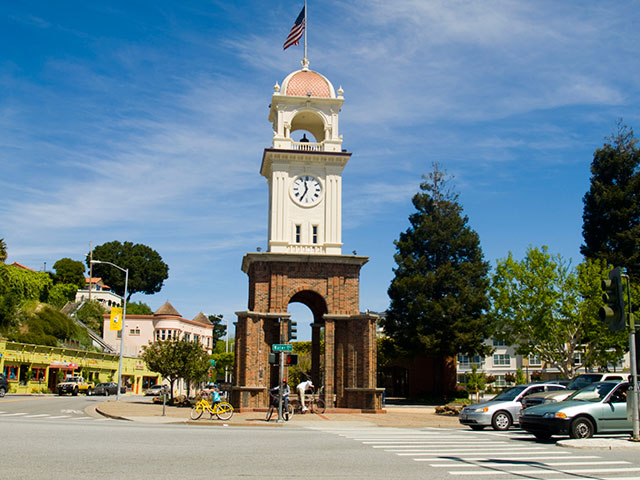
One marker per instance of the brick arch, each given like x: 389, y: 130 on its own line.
x: 312, y: 299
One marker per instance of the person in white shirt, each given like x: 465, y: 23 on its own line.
x: 302, y: 388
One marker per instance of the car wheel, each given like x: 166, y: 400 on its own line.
x: 477, y: 428
x: 501, y: 421
x: 581, y: 427
x: 2, y: 392
x: 542, y: 436
x: 75, y: 392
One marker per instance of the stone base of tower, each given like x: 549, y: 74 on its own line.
x: 343, y: 339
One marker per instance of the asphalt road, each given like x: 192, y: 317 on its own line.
x: 54, y: 438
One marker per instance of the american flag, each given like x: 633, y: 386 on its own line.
x: 296, y: 31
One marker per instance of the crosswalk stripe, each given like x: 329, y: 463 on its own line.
x: 554, y: 456
x: 543, y: 472
x: 37, y: 415
x: 475, y: 451
x: 14, y: 414
x: 545, y: 464
x: 61, y: 416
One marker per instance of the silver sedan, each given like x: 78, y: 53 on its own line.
x: 503, y: 410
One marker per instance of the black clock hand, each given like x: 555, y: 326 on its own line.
x: 306, y: 189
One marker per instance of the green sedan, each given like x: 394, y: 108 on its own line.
x: 598, y: 408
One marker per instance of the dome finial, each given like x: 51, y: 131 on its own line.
x: 305, y: 63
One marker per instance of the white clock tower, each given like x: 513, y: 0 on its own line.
x: 305, y: 176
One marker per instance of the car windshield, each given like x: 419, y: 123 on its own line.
x: 510, y: 394
x: 582, y: 381
x: 596, y: 392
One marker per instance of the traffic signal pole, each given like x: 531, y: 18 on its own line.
x: 634, y: 367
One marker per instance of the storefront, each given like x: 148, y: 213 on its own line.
x: 39, y: 368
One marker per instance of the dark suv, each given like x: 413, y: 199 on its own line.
x: 4, y: 385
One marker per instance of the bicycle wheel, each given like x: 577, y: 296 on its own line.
x: 318, y: 406
x: 196, y: 412
x: 224, y: 411
x: 288, y: 412
x: 269, y: 413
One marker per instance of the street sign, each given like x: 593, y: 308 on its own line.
x: 279, y: 347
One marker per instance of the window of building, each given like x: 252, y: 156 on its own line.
x: 466, y: 361
x: 11, y: 372
x: 157, y: 335
x: 38, y: 374
x: 314, y: 234
x: 500, y: 381
x: 499, y: 343
x: 169, y: 334
x: 119, y: 334
x: 187, y: 337
x: 501, y: 360
x: 163, y: 334
x: 535, y: 361
x: 134, y: 331
x: 298, y: 233
x: 196, y: 338
x: 577, y: 358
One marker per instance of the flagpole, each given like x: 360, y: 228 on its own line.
x: 306, y: 30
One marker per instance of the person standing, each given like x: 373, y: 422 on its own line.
x: 302, y: 389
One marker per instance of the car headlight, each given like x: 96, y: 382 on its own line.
x: 550, y: 400
x: 482, y: 410
x: 555, y: 415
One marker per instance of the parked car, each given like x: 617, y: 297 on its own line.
x: 577, y: 383
x: 156, y: 390
x: 106, y: 389
x: 503, y: 410
x: 4, y: 385
x: 597, y: 408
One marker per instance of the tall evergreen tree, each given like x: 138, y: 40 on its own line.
x: 439, y: 293
x: 611, y: 216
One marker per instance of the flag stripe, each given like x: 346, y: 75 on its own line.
x: 296, y: 31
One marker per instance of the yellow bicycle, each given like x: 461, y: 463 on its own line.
x: 222, y: 410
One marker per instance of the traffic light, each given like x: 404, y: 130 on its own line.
x: 292, y: 359
x: 613, y: 311
x: 292, y: 330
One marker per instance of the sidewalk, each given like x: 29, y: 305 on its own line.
x: 146, y: 412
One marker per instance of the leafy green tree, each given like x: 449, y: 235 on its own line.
x: 476, y: 381
x: 147, y: 271
x: 3, y: 250
x: 544, y: 308
x: 138, y: 308
x: 175, y: 359
x: 69, y: 271
x: 520, y: 377
x: 219, y: 329
x: 25, y: 284
x: 61, y: 293
x: 611, y: 216
x: 90, y: 313
x: 439, y: 293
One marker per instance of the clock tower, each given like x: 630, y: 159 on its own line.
x: 304, y: 262
x: 305, y: 176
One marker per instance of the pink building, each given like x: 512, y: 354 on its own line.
x: 166, y: 323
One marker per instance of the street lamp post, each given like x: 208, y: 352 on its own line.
x: 124, y: 316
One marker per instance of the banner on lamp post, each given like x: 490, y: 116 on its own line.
x: 116, y: 319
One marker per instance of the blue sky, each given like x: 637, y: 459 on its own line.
x: 146, y: 121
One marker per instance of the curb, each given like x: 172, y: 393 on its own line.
x: 600, y: 444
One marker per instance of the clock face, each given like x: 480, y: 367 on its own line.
x: 306, y: 190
